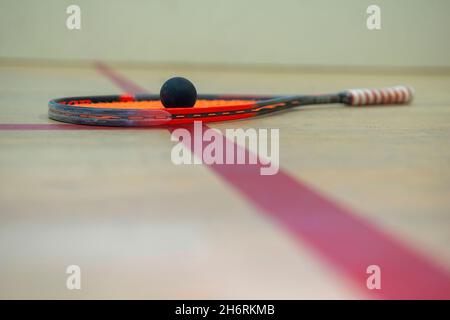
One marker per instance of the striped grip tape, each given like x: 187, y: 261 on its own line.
x: 391, y: 95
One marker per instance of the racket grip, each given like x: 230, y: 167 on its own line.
x: 390, y: 95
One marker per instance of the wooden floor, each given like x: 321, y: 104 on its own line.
x: 112, y: 202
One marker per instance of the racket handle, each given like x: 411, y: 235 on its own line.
x: 391, y: 95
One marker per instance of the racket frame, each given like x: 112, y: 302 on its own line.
x: 76, y: 110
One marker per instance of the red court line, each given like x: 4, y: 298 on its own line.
x: 342, y: 238
x: 63, y: 126
x: 117, y: 79
x: 36, y: 126
x: 121, y: 82
x: 47, y: 126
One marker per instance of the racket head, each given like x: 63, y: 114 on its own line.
x: 146, y: 110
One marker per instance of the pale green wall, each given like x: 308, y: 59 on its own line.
x: 286, y: 32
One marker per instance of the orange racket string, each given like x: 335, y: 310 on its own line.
x: 156, y: 104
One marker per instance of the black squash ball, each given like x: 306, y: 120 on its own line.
x: 178, y: 92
